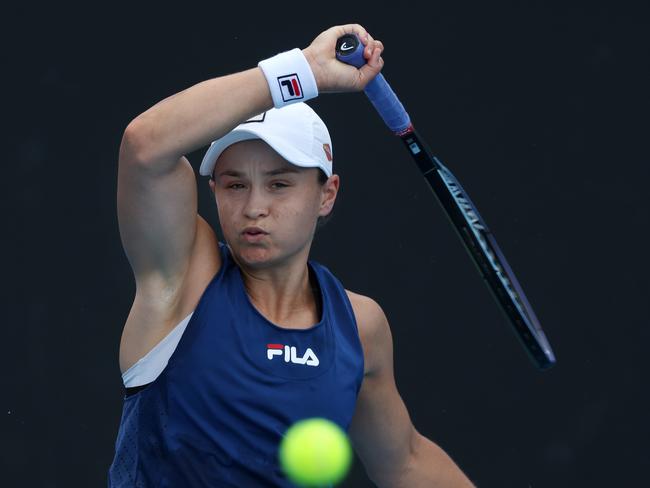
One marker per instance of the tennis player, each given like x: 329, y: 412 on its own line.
x: 229, y: 343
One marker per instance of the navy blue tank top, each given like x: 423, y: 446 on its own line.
x: 215, y: 415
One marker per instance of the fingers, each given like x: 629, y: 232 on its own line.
x: 373, y: 51
x: 374, y: 62
x: 371, y: 45
x: 356, y: 29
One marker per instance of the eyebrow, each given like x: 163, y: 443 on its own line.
x: 273, y: 172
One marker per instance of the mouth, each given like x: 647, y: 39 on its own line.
x: 254, y: 231
x: 253, y: 234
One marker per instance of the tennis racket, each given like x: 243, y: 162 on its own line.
x: 462, y: 213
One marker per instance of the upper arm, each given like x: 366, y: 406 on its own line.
x: 381, y: 430
x: 157, y: 214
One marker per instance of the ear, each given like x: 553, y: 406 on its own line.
x: 328, y: 195
x: 211, y: 183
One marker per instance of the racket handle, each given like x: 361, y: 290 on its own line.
x: 349, y: 50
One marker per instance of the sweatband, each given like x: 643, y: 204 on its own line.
x: 289, y: 77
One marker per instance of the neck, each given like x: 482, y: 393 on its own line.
x: 284, y: 294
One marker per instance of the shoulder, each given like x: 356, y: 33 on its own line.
x: 374, y: 330
x: 366, y: 309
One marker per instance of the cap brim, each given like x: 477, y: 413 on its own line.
x: 218, y: 146
x: 286, y: 151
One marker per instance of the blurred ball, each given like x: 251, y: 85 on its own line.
x: 315, y: 452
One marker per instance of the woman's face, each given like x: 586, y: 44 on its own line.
x: 255, y: 187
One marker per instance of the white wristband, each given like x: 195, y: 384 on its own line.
x: 289, y: 77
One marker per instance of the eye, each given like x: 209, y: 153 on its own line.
x: 235, y: 185
x: 278, y: 184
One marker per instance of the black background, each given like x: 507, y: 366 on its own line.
x: 541, y: 111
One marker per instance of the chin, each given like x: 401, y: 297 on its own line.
x: 254, y: 256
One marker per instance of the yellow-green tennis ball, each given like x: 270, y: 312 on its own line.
x: 315, y: 452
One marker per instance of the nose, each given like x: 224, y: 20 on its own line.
x: 256, y: 204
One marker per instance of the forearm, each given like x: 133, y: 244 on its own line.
x: 194, y: 117
x: 429, y: 466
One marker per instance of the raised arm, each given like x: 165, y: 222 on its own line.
x: 157, y: 200
x: 157, y: 194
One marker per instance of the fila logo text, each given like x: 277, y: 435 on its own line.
x: 291, y: 355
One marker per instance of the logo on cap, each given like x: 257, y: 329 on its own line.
x: 256, y: 118
x: 290, y: 87
x: 328, y: 151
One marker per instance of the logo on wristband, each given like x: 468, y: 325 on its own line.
x: 290, y: 87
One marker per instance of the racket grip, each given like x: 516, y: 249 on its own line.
x: 349, y: 50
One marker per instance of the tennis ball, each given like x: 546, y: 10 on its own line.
x: 315, y: 452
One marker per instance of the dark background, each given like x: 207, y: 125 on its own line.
x: 541, y: 111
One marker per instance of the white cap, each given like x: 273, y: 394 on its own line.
x: 294, y: 131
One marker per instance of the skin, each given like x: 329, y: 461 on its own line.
x: 285, y: 205
x: 173, y: 251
